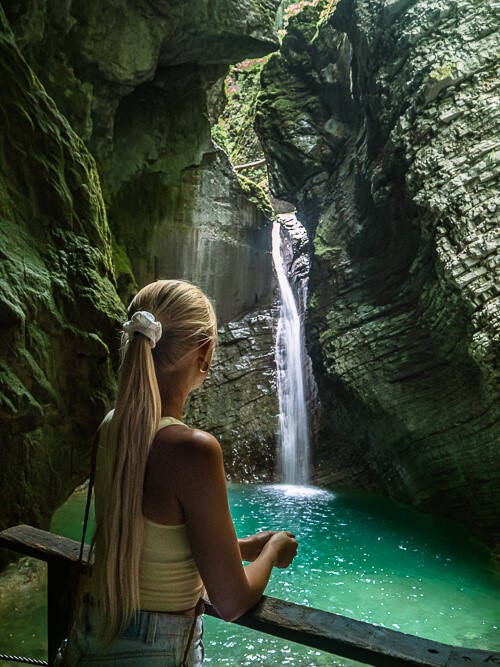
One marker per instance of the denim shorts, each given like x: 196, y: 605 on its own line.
x: 152, y: 639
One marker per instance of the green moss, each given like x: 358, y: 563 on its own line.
x: 304, y: 20
x: 234, y: 130
x: 325, y: 251
x: 125, y: 280
x: 257, y: 195
x: 220, y: 136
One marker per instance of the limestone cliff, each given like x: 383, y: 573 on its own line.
x: 58, y: 304
x: 135, y: 80
x: 381, y: 122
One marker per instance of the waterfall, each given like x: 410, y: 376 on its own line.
x: 293, y: 433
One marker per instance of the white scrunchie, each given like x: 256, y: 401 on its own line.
x: 144, y: 323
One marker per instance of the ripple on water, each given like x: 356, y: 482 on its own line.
x: 359, y: 555
x: 375, y: 560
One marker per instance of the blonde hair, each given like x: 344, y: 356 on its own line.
x: 188, y: 321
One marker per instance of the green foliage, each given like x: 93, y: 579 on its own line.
x: 492, y: 158
x: 256, y: 194
x: 220, y: 136
x: 295, y: 8
x: 443, y: 72
x: 234, y: 130
x: 327, y: 7
x: 447, y: 70
x: 242, y: 88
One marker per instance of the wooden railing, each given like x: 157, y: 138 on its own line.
x: 342, y: 636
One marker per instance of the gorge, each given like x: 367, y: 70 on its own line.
x: 378, y: 121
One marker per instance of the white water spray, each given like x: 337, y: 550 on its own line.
x: 293, y: 434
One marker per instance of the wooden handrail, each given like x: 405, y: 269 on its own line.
x: 342, y: 636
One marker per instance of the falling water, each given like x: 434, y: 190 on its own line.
x: 293, y: 434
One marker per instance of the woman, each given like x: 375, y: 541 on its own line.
x: 164, y: 532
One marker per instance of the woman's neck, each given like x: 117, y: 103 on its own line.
x: 176, y: 385
x: 174, y: 392
x: 171, y: 408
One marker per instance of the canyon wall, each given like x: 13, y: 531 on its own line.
x: 380, y: 121
x: 141, y: 83
x: 58, y: 304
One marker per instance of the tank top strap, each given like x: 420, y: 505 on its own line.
x: 169, y: 421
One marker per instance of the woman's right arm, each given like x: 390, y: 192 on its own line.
x: 232, y: 588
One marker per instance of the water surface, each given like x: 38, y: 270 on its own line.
x: 360, y: 555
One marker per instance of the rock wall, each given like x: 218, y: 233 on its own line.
x: 133, y: 80
x: 205, y: 230
x: 381, y: 122
x: 239, y: 400
x: 58, y: 304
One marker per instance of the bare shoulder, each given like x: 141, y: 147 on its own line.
x: 202, y: 452
x: 185, y: 441
x: 204, y: 441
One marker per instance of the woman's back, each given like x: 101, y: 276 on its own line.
x: 168, y: 577
x: 163, y: 524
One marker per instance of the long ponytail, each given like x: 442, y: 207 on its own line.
x: 120, y: 528
x: 188, y: 321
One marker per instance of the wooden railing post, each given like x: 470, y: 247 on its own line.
x: 58, y: 604
x: 61, y: 555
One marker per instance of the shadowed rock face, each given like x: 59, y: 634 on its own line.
x: 239, y: 400
x: 132, y: 79
x: 393, y: 110
x: 58, y: 304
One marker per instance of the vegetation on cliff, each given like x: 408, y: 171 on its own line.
x: 378, y: 120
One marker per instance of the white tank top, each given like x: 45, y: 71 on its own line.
x: 168, y: 577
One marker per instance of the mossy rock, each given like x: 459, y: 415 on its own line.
x: 257, y: 195
x: 57, y: 297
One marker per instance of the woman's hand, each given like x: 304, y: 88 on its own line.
x: 284, y: 547
x: 251, y: 546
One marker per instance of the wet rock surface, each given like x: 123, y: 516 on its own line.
x: 238, y: 402
x: 393, y: 109
x: 58, y: 304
